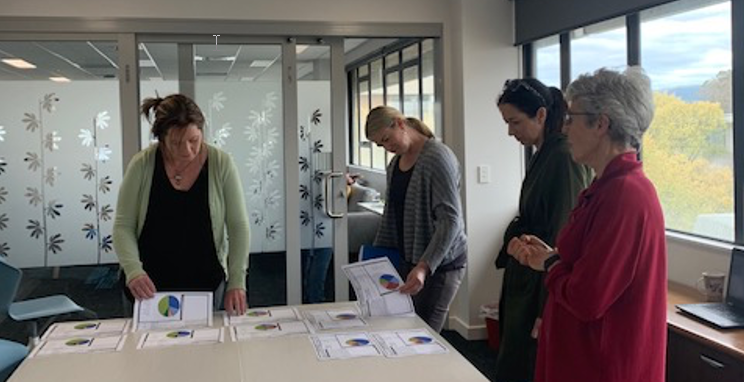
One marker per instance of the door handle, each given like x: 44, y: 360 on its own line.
x: 711, y: 362
x: 329, y: 194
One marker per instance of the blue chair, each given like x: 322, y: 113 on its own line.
x: 32, y: 311
x: 11, y: 355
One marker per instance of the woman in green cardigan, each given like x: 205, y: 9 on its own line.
x: 180, y: 219
x: 534, y: 114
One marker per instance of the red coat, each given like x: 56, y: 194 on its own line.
x: 605, y: 318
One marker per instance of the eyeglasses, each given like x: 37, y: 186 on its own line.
x: 568, y: 118
x: 514, y: 86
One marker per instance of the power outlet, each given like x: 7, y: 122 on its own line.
x: 484, y: 174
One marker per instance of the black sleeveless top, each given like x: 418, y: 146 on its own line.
x: 176, y: 244
x: 398, y: 189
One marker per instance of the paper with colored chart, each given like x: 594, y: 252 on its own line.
x: 179, y: 337
x: 334, y: 319
x: 376, y: 284
x: 401, y: 343
x: 169, y: 310
x: 92, y: 328
x: 258, y: 315
x: 79, y: 345
x: 344, y: 346
x: 268, y: 329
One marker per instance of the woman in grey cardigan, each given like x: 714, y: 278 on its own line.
x: 423, y: 214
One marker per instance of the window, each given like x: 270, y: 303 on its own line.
x: 402, y: 78
x: 599, y: 45
x: 688, y: 151
x: 548, y: 61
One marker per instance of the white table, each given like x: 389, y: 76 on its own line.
x: 290, y: 359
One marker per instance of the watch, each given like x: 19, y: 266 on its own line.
x: 550, y: 260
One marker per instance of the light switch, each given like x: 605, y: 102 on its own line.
x: 484, y: 173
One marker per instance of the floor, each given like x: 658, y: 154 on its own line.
x: 97, y: 288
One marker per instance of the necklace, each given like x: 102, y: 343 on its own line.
x: 178, y: 173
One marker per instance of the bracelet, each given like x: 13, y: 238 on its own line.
x: 550, y: 261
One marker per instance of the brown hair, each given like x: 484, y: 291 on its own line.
x: 383, y: 116
x: 173, y: 111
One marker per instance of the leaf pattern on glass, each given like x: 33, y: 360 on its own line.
x: 272, y: 136
x: 106, y: 212
x: 257, y: 217
x: 50, y: 141
x: 304, y: 164
x: 107, y: 243
x: 303, y: 133
x: 102, y: 120
x: 318, y: 177
x: 86, y: 137
x: 90, y: 231
x: 34, y: 162
x: 315, y: 117
x: 2, y: 134
x: 4, y: 221
x: 3, y: 194
x: 4, y: 250
x: 217, y: 100
x: 221, y: 135
x: 32, y: 123
x: 304, y: 192
x: 103, y: 154
x: 317, y: 146
x: 88, y: 171
x: 51, y: 176
x: 272, y: 169
x: 105, y: 184
x: 270, y: 100
x: 319, y: 230
x: 89, y: 202
x: 53, y: 208
x: 255, y: 188
x: 33, y: 195
x: 304, y: 218
x: 273, y: 230
x: 48, y: 102
x: 273, y: 199
x: 35, y: 227
x: 55, y: 243
x: 258, y: 119
x: 3, y: 163
x: 318, y: 203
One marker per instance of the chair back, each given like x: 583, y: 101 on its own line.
x: 10, y: 279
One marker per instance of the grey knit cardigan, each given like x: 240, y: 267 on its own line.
x: 433, y: 229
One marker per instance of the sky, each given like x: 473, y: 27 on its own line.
x: 680, y: 50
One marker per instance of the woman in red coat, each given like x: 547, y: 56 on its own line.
x: 605, y: 318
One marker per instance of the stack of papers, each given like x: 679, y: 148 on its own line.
x: 376, y: 284
x: 169, y: 310
x: 179, y: 337
x: 268, y: 329
x: 344, y: 346
x: 83, y: 337
x: 335, y: 319
x: 401, y: 343
x: 258, y: 315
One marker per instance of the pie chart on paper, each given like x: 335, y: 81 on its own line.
x: 77, y: 342
x: 257, y: 313
x: 346, y: 316
x: 389, y: 281
x: 169, y: 306
x: 357, y: 342
x: 179, y: 334
x: 420, y: 340
x: 266, y: 327
x: 85, y: 325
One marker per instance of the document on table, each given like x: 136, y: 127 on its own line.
x: 177, y: 337
x: 401, y: 343
x: 376, y: 284
x: 93, y: 328
x: 344, y: 346
x: 173, y: 310
x: 268, y: 329
x: 252, y: 316
x: 79, y: 345
x: 334, y: 319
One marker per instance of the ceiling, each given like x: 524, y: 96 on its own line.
x: 97, y: 60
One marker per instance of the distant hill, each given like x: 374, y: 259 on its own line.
x: 689, y: 93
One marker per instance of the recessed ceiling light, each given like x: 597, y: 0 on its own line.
x: 261, y: 63
x: 60, y: 79
x: 19, y: 63
x: 146, y: 64
x: 247, y: 78
x: 156, y: 78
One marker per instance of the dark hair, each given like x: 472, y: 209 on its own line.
x: 173, y: 111
x: 529, y: 95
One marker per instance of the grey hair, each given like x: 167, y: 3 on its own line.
x: 624, y: 97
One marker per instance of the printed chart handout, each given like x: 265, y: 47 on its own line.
x: 93, y: 328
x: 178, y: 337
x: 173, y: 310
x: 257, y: 315
x: 334, y: 319
x: 344, y: 346
x: 269, y: 329
x: 376, y: 284
x: 401, y: 343
x: 79, y: 345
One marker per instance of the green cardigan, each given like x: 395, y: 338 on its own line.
x: 226, y: 207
